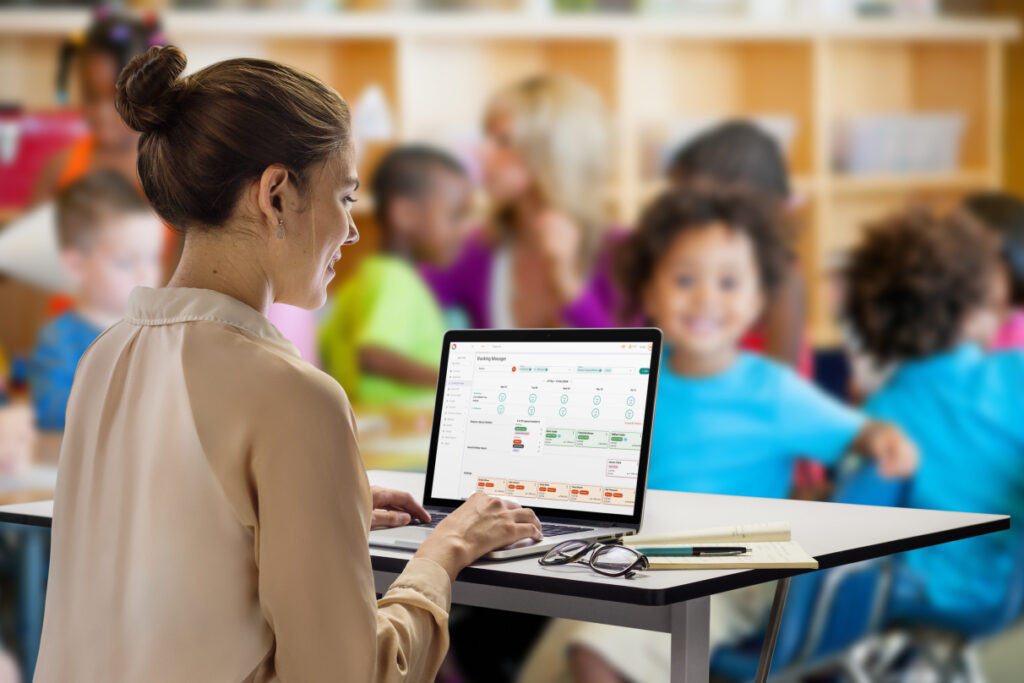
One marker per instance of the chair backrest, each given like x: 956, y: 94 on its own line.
x: 860, y: 483
x: 851, y: 598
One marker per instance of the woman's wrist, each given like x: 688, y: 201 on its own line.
x: 449, y: 551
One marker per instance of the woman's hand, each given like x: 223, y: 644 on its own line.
x: 394, y: 508
x: 481, y: 524
x: 560, y: 238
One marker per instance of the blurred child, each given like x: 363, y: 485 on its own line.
x: 544, y: 260
x: 96, y: 58
x: 738, y: 154
x: 701, y: 266
x: 919, y: 295
x: 17, y: 430
x: 110, y: 243
x: 1003, y: 214
x: 382, y: 337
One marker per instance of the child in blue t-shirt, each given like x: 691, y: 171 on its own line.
x: 700, y: 266
x: 111, y: 242
x: 920, y: 297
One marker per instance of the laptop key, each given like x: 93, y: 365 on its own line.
x: 435, y: 519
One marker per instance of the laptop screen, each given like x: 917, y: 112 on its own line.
x: 555, y: 424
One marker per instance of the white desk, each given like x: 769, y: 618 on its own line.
x: 675, y: 602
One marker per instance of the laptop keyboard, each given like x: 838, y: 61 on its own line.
x: 548, y: 529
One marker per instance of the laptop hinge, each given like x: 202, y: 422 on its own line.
x: 588, y: 522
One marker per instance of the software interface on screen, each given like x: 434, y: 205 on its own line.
x: 554, y: 424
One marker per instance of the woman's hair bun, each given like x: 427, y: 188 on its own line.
x: 146, y: 98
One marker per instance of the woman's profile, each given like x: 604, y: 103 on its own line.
x: 212, y: 510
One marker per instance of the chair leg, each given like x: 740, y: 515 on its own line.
x: 854, y: 671
x: 973, y: 673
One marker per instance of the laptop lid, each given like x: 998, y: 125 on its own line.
x: 560, y: 420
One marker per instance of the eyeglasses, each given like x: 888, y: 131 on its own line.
x: 610, y: 560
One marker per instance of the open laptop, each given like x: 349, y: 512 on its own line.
x: 559, y: 420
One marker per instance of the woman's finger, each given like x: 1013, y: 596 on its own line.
x: 400, y: 500
x: 383, y: 519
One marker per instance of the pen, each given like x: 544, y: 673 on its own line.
x: 692, y: 551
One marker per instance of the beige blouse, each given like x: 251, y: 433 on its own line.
x: 212, y: 513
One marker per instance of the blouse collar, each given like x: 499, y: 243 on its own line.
x: 168, y: 305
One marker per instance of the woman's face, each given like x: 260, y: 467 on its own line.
x: 97, y: 76
x: 505, y: 174
x: 316, y: 225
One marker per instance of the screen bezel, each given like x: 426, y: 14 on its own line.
x: 629, y: 334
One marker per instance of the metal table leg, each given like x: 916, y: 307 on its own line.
x: 691, y: 657
x: 764, y: 665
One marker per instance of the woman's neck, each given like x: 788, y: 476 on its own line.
x: 219, y: 263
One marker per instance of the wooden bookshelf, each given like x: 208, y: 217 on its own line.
x: 437, y: 71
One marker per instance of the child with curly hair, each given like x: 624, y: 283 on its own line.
x: 919, y: 297
x: 701, y: 266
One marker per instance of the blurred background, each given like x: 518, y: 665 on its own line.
x: 874, y: 105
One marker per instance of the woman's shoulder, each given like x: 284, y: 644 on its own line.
x: 264, y: 377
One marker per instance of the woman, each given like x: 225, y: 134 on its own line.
x: 212, y: 511
x: 545, y: 261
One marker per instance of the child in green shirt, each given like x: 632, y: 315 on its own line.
x: 382, y: 336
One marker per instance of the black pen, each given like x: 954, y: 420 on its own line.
x: 692, y: 550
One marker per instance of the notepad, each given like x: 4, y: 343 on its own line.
x: 739, y: 534
x: 770, y: 543
x: 762, y: 555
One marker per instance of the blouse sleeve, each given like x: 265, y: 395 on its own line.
x: 315, y: 581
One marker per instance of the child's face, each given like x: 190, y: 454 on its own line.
x: 983, y: 324
x: 505, y: 174
x: 124, y: 254
x: 705, y: 292
x: 443, y: 215
x: 97, y: 77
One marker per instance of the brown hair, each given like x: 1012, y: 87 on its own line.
x: 680, y: 210
x: 206, y: 135
x: 913, y: 280
x: 92, y: 200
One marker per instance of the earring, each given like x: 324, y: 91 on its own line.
x: 280, y: 228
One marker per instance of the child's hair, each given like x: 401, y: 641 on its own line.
x: 912, y: 282
x: 733, y: 154
x: 120, y: 36
x: 405, y: 171
x: 678, y: 211
x: 1004, y: 214
x: 85, y: 205
x: 561, y: 132
x: 206, y: 135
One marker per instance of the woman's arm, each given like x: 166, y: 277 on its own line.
x: 315, y: 582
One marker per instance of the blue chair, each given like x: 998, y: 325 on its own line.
x: 827, y: 612
x: 945, y: 644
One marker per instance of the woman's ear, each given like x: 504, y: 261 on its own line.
x: 275, y: 184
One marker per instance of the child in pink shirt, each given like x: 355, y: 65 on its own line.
x: 1003, y: 214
